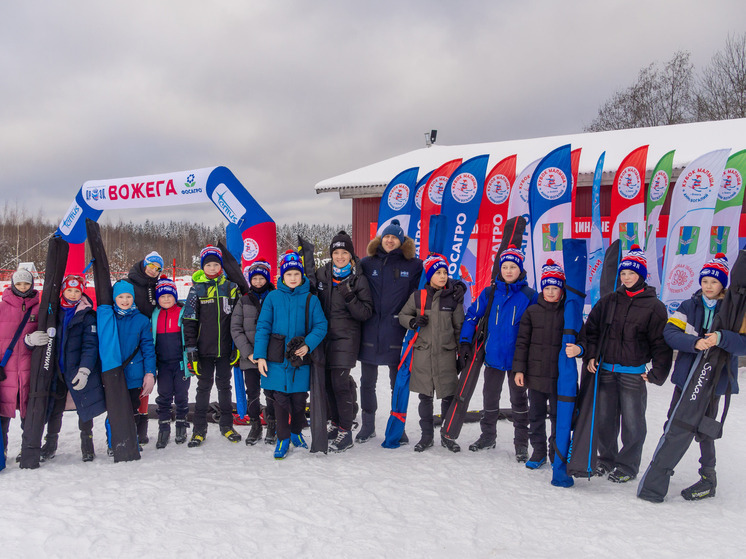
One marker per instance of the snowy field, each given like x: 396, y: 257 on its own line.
x: 230, y: 500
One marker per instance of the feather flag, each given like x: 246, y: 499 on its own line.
x: 518, y: 206
x: 397, y: 200
x: 432, y: 198
x: 415, y: 221
x: 596, y: 245
x: 657, y: 191
x: 725, y: 221
x: 628, y: 200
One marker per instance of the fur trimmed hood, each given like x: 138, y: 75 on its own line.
x: 407, y: 248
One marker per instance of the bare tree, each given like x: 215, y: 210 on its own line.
x: 722, y: 88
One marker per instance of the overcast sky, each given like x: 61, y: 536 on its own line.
x: 288, y: 93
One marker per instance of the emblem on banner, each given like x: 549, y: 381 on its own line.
x: 688, y: 239
x: 629, y: 235
x: 250, y: 249
x: 398, y: 196
x: 190, y: 182
x: 719, y: 238
x: 629, y: 183
x: 730, y: 186
x: 498, y: 189
x: 658, y: 186
x: 418, y: 197
x: 697, y: 185
x: 464, y: 188
x: 552, y: 183
x: 551, y: 236
x: 435, y: 192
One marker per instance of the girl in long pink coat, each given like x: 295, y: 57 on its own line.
x: 17, y: 300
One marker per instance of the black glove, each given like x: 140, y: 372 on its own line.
x: 345, y: 289
x: 459, y: 290
x: 419, y: 321
x: 464, y: 355
x: 294, y: 345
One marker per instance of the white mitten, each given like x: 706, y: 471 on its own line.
x: 39, y: 338
x: 81, y: 379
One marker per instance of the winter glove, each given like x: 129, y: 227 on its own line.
x: 193, y: 361
x: 464, y: 355
x: 419, y: 321
x: 345, y: 289
x: 294, y: 345
x: 38, y: 338
x: 81, y: 379
x: 459, y: 290
x: 235, y: 356
x: 148, y: 382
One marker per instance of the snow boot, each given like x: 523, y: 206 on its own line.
x: 164, y: 433
x: 271, y: 435
x: 49, y: 449
x: 197, y: 439
x: 281, y: 450
x: 181, y: 431
x: 537, y: 460
x: 142, y: 428
x: 298, y: 440
x: 619, y: 476
x: 86, y: 446
x: 425, y: 442
x: 331, y: 430
x: 368, y: 430
x: 342, y: 442
x: 483, y: 442
x: 449, y: 443
x: 230, y: 434
x: 602, y: 470
x: 521, y: 453
x: 255, y: 432
x: 703, y: 489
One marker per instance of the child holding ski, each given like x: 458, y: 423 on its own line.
x: 243, y: 330
x: 438, y: 324
x: 19, y: 313
x: 512, y: 296
x: 631, y: 320
x: 207, y: 335
x: 689, y: 332
x: 173, y: 374
x: 536, y: 360
x: 291, y: 324
x: 135, y: 344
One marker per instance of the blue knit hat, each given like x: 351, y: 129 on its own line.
x: 394, y: 228
x: 290, y: 261
x: 716, y: 268
x: 433, y: 263
x: 166, y: 286
x: 210, y: 254
x: 636, y: 261
x: 123, y: 286
x: 153, y: 258
x: 260, y: 267
x: 552, y: 274
x: 514, y: 255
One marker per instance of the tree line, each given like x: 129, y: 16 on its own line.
x: 675, y: 93
x: 24, y: 238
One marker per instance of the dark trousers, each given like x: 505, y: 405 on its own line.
x: 54, y: 423
x: 493, y: 386
x: 173, y: 386
x: 539, y: 404
x: 339, y: 397
x: 368, y: 381
x: 706, y: 445
x: 252, y: 380
x: 290, y: 411
x: 4, y: 426
x: 621, y: 396
x: 213, y: 370
x: 426, y: 409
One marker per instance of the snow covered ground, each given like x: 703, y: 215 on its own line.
x: 231, y: 500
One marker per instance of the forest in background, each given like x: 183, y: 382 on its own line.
x: 23, y: 238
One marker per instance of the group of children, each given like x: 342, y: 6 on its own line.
x: 270, y: 333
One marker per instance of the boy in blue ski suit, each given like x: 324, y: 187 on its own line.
x: 688, y: 331
x: 511, y: 299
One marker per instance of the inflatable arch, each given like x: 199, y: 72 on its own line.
x: 247, y: 220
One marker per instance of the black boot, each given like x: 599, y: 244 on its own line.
x: 86, y: 446
x: 425, y: 442
x: 483, y: 442
x: 255, y: 432
x: 142, y: 428
x: 703, y: 489
x: 521, y: 453
x: 49, y: 449
x: 368, y: 430
x: 449, y: 443
x: 271, y: 436
x: 181, y: 431
x: 164, y: 433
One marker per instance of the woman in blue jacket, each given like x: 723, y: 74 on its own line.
x: 689, y: 332
x: 291, y: 324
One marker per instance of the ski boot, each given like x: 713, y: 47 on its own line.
x: 181, y: 431
x: 164, y: 433
x: 521, y: 453
x: 368, y: 430
x: 281, y: 450
x: 602, y: 470
x: 619, y: 476
x: 230, y: 434
x: 342, y: 442
x: 197, y: 439
x: 703, y: 489
x: 255, y: 432
x: 482, y: 443
x: 271, y: 435
x: 537, y: 460
x: 449, y: 443
x: 49, y: 449
x: 298, y: 440
x: 331, y: 430
x: 142, y: 428
x: 86, y: 446
x: 425, y: 442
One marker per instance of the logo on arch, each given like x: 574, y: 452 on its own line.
x: 250, y: 249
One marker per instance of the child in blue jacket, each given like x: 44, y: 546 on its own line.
x: 291, y: 324
x: 135, y: 338
x: 689, y: 332
x: 512, y: 296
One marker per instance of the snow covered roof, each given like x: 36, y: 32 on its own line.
x: 689, y: 141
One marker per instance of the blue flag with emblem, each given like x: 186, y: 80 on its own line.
x: 398, y: 199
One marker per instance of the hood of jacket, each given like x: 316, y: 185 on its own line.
x: 137, y: 275
x: 200, y: 277
x: 407, y: 249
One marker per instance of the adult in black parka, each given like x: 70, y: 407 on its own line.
x: 393, y: 273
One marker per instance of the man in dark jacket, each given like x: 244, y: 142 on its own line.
x: 347, y: 303
x: 393, y: 273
